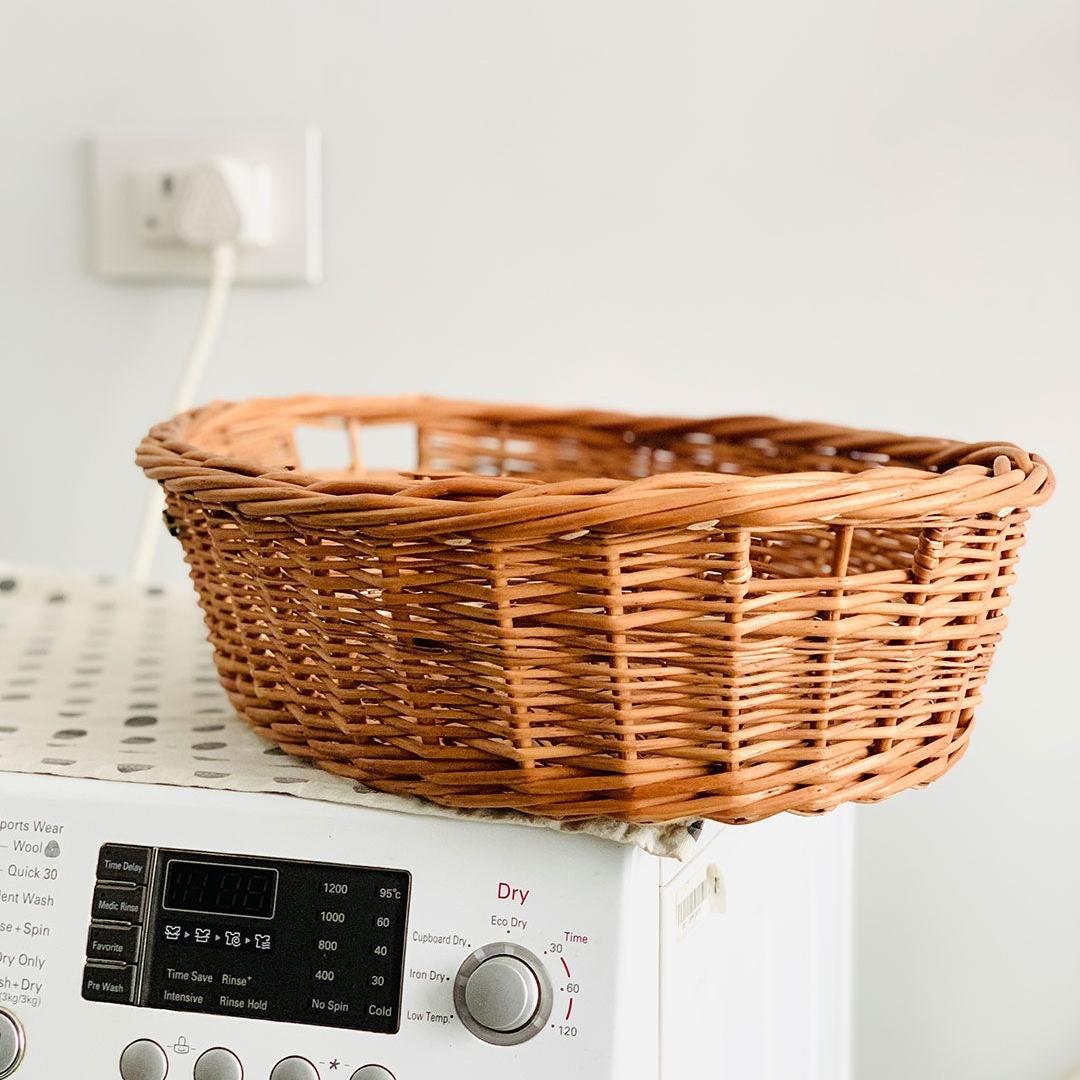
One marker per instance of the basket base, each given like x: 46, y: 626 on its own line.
x: 659, y: 805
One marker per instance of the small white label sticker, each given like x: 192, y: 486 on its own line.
x: 702, y: 896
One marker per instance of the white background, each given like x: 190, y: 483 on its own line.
x: 857, y: 210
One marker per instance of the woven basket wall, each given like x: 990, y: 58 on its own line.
x: 583, y: 613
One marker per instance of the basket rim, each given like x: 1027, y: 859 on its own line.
x: 955, y: 479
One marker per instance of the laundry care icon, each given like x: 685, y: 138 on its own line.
x: 201, y: 936
x: 172, y: 933
x: 52, y: 850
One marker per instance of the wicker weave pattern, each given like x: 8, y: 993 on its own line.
x: 582, y: 613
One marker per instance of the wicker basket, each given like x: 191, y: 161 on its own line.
x: 587, y: 613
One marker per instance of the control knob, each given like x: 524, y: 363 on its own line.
x: 502, y: 994
x: 12, y: 1043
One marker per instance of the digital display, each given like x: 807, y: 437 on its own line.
x: 220, y: 889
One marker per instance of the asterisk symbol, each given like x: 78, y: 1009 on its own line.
x: 335, y: 1063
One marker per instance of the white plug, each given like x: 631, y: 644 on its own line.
x: 224, y: 201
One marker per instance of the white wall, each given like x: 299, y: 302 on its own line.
x: 859, y: 210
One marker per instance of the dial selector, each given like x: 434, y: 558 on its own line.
x: 502, y: 994
x: 12, y: 1043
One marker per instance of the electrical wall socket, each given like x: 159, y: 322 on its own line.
x: 133, y: 188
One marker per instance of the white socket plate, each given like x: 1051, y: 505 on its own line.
x: 122, y: 251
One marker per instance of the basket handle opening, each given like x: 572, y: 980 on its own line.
x: 351, y: 446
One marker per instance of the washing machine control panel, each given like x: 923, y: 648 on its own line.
x: 182, y: 934
x: 214, y: 932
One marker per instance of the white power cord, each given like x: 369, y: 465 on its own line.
x: 222, y: 272
x: 214, y: 209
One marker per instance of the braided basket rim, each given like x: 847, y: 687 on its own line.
x: 937, y: 477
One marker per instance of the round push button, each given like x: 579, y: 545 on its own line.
x: 12, y: 1043
x: 294, y: 1068
x: 218, y: 1064
x: 372, y: 1072
x: 143, y: 1060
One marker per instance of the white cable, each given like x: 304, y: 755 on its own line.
x: 222, y: 272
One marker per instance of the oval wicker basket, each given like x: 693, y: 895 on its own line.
x: 584, y: 613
